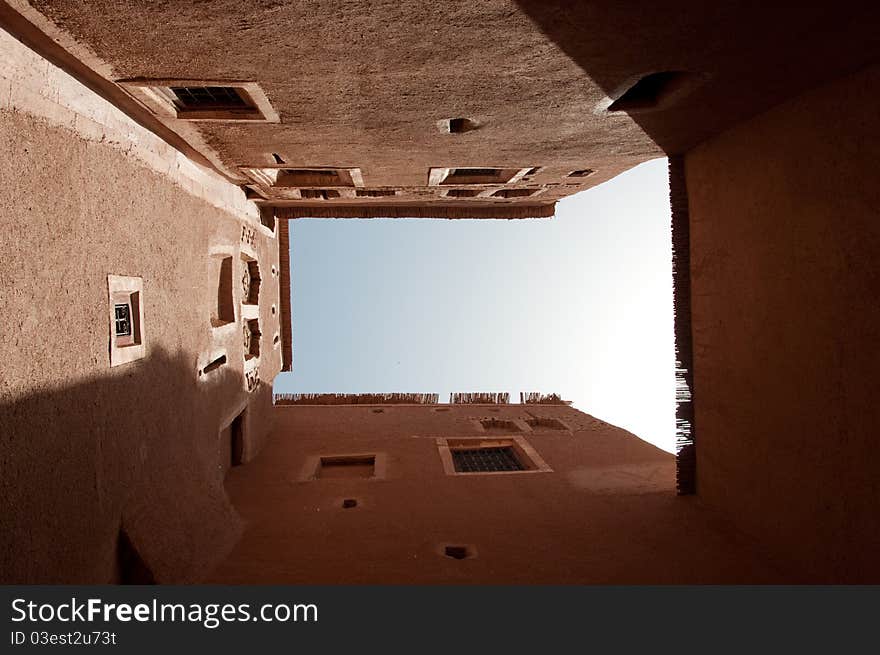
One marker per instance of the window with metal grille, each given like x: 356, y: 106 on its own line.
x: 123, y: 319
x: 481, y: 460
x: 208, y: 97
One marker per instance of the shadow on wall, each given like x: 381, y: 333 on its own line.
x: 116, y: 479
x: 688, y: 66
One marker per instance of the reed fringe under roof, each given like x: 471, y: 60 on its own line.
x: 414, y: 211
x: 479, y: 398
x: 284, y: 295
x: 685, y: 433
x: 537, y: 398
x: 356, y: 398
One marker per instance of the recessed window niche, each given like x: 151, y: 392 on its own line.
x: 126, y: 318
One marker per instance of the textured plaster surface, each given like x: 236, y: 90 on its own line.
x: 785, y: 240
x: 87, y: 450
x: 365, y: 84
x: 607, y: 513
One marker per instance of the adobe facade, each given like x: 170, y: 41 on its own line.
x: 154, y: 153
x: 595, y: 505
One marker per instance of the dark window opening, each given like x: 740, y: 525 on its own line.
x: 457, y: 552
x: 319, y: 194
x: 250, y: 282
x: 122, y: 312
x: 251, y: 335
x: 482, y: 460
x: 313, y: 177
x: 225, y: 302
x: 236, y: 441
x: 375, y: 193
x: 513, y: 193
x: 267, y: 216
x: 208, y: 97
x: 584, y: 172
x: 462, y: 193
x: 459, y: 125
x: 478, y: 176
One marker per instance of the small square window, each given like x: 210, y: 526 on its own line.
x: 126, y: 314
x: 123, y: 319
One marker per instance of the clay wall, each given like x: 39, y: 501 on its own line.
x: 101, y: 462
x: 605, y: 512
x: 785, y: 240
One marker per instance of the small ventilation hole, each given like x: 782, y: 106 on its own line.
x: 459, y: 125
x: 456, y: 552
x: 378, y: 411
x: 348, y: 503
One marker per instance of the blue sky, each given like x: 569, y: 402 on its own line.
x: 580, y: 304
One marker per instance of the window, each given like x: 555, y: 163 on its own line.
x: 203, y: 99
x: 480, y: 460
x: 250, y: 281
x: 126, y: 314
x: 458, y: 125
x: 224, y: 312
x: 469, y: 175
x: 584, y: 172
x: 318, y: 194
x: 490, y: 456
x: 208, y: 97
x: 514, y: 193
x: 251, y: 338
x: 123, y: 320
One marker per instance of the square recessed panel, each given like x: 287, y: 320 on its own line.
x: 359, y: 466
x: 481, y: 460
x: 126, y: 314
